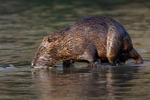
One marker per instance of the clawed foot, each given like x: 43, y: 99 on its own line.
x: 117, y: 63
x: 96, y: 63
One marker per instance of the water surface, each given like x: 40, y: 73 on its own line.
x: 24, y: 23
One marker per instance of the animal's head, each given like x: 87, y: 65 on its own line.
x: 43, y: 56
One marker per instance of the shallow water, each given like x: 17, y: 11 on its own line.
x: 24, y: 23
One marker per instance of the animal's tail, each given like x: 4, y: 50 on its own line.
x: 135, y: 55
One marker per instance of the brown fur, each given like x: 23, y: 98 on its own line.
x: 89, y: 39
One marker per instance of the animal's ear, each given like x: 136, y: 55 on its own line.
x: 52, y: 38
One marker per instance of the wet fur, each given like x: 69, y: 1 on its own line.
x: 90, y: 39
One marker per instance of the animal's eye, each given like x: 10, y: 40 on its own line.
x: 49, y: 40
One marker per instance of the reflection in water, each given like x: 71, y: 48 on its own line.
x: 101, y: 83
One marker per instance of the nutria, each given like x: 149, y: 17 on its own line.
x: 94, y: 39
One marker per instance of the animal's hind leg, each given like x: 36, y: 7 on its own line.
x: 135, y: 55
x: 90, y: 55
x: 113, y: 45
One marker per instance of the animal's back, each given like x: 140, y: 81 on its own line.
x: 105, y: 33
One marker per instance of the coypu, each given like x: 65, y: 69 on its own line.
x: 95, y: 39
